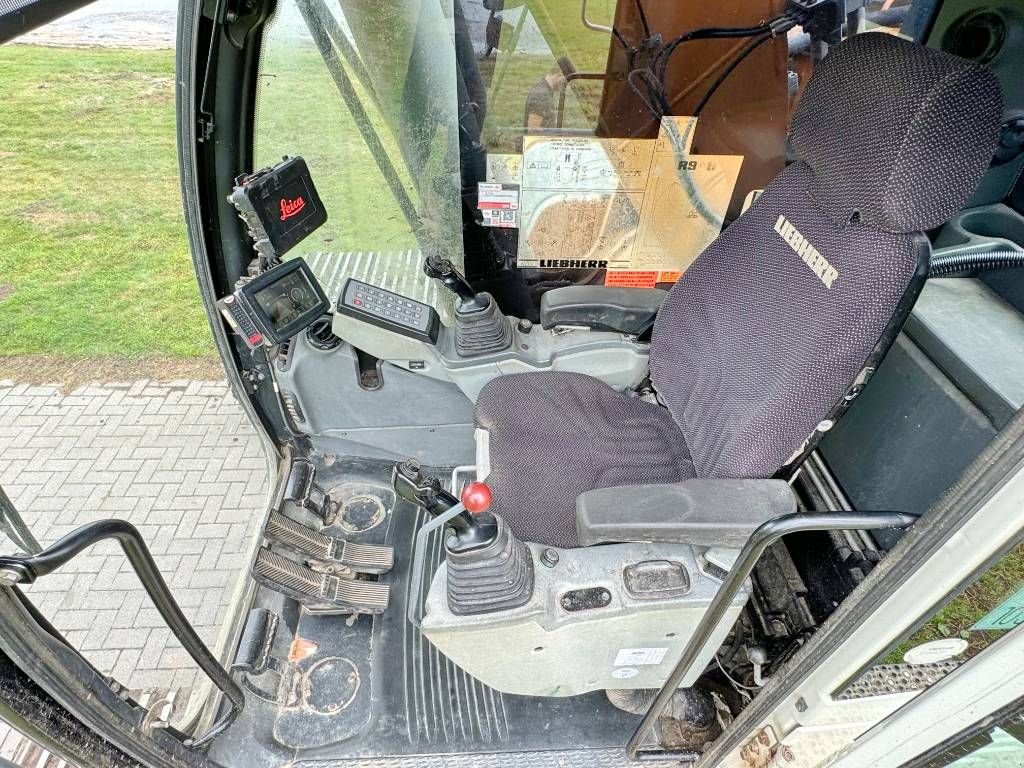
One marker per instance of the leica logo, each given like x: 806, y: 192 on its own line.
x: 291, y: 207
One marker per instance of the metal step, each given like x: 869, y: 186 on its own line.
x: 319, y: 590
x: 364, y: 558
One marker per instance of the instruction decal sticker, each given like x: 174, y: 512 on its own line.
x: 639, y: 657
x: 499, y: 204
x: 637, y: 205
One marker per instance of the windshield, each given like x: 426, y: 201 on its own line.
x: 557, y: 141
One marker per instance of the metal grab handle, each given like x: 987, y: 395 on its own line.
x: 419, y: 558
x: 14, y: 526
x: 25, y: 570
x: 588, y: 23
x: 762, y: 538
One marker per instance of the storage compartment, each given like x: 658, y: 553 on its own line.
x: 982, y: 230
x: 987, y: 228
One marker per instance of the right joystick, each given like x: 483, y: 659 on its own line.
x: 480, y: 327
x: 442, y: 269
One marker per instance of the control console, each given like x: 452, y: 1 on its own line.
x: 276, y: 305
x: 390, y: 311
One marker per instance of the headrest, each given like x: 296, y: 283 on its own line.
x: 896, y: 133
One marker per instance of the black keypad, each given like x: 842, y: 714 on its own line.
x: 388, y: 310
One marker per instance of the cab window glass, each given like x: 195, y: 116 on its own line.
x: 577, y: 112
x: 301, y: 111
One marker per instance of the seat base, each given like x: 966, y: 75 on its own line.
x: 622, y: 617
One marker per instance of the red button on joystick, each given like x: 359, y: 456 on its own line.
x: 476, y: 497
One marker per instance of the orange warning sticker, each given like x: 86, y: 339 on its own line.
x: 668, y: 276
x: 628, y: 278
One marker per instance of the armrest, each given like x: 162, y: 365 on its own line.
x: 626, y: 310
x: 704, y: 512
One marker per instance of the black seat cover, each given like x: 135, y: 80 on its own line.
x: 759, y: 341
x: 554, y: 435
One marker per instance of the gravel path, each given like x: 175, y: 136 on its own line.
x: 112, y: 24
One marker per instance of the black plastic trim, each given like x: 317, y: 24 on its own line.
x: 600, y: 307
x: 30, y: 16
x: 878, y: 353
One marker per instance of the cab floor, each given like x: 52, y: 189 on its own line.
x: 375, y: 687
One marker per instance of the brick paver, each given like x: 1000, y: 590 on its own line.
x: 178, y: 460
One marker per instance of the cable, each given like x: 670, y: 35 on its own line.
x: 643, y: 19
x: 740, y: 688
x: 653, y: 90
x: 661, y: 61
x: 656, y: 99
x: 622, y: 41
x: 724, y: 74
x: 956, y: 263
x: 777, y: 26
x: 645, y: 98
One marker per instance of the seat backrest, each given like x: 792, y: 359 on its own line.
x: 761, y: 342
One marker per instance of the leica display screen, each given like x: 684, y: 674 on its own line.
x: 287, y: 300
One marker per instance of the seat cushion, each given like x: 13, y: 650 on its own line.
x: 555, y: 434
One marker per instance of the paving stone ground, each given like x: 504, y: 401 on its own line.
x: 178, y: 460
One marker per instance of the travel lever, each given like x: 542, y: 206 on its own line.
x: 472, y: 528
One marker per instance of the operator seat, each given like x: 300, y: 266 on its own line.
x: 761, y: 344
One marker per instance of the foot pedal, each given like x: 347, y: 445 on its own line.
x: 364, y: 558
x: 319, y: 590
x: 253, y: 656
x: 302, y: 490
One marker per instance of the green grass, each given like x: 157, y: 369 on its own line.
x: 93, y: 254
x: 957, y: 617
x: 300, y: 112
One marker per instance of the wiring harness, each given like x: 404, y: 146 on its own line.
x: 648, y: 81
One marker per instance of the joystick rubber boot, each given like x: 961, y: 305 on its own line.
x: 494, y: 576
x: 482, y: 331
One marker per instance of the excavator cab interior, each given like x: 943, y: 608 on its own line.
x: 607, y: 346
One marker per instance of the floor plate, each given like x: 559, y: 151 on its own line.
x: 375, y: 687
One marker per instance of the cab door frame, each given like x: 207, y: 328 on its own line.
x: 977, y: 521
x: 954, y: 705
x: 74, y: 695
x: 27, y: 16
